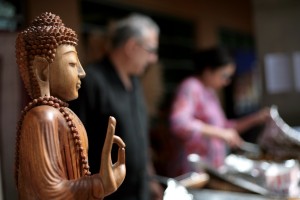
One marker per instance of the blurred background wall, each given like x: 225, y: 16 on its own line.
x: 250, y: 29
x: 277, y: 31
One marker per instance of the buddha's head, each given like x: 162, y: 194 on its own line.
x: 43, y: 52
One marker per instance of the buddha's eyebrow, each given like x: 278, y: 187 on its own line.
x: 71, y: 51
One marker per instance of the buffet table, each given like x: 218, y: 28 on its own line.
x: 269, y: 169
x: 224, y: 195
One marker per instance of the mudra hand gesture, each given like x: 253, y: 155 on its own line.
x: 112, y: 175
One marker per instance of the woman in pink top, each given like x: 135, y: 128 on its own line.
x: 197, y: 117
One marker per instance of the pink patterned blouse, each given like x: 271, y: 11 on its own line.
x: 194, y: 105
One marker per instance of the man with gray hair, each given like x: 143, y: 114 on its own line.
x: 112, y: 88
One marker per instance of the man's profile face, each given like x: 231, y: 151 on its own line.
x: 65, y: 73
x: 145, y: 52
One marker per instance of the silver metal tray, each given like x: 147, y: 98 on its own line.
x: 242, y: 172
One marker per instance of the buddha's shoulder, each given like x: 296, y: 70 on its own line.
x: 44, y: 112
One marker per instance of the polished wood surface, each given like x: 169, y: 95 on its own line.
x: 52, y: 144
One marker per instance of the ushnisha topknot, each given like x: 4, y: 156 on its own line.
x: 45, y: 33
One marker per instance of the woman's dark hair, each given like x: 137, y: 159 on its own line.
x: 212, y: 58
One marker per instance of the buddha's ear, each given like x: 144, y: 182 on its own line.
x: 41, y: 70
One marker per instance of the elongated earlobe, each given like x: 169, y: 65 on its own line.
x: 41, y: 70
x: 41, y: 67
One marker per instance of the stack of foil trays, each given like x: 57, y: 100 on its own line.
x: 279, y: 140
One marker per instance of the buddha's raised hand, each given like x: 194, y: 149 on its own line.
x: 112, y: 175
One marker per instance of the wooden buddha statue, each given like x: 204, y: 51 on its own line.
x: 51, y: 146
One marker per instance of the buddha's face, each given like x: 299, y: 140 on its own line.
x: 65, y: 73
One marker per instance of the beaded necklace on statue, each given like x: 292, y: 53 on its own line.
x: 60, y: 105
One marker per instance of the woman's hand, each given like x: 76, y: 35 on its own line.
x: 262, y: 115
x: 258, y: 118
x: 231, y: 137
x: 112, y: 175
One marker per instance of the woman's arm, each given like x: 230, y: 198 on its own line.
x: 184, y: 123
x: 257, y: 118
